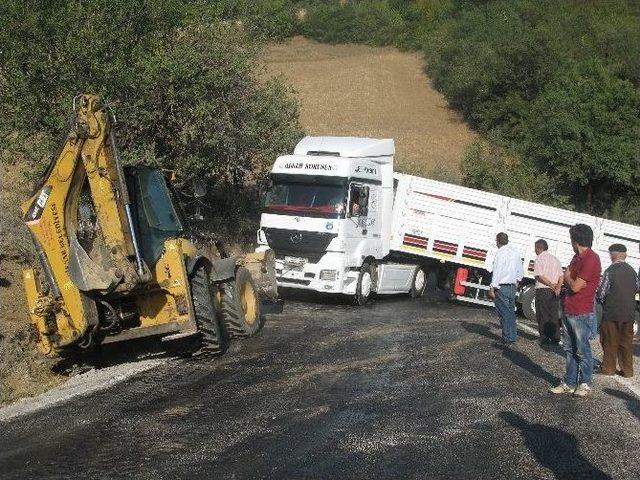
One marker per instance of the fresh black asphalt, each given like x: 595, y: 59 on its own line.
x: 399, y: 389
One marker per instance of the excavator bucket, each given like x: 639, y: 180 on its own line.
x: 262, y: 267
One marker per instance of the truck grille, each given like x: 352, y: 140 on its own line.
x: 300, y: 243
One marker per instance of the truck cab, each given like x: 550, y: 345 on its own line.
x: 328, y: 213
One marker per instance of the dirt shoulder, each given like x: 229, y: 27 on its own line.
x: 23, y: 371
x: 377, y: 92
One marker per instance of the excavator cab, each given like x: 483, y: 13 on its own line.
x: 156, y: 214
x: 115, y: 260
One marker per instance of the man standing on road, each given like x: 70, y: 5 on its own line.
x: 548, y: 273
x: 581, y: 278
x: 507, y: 272
x: 617, y: 293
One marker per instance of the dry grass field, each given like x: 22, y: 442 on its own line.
x: 376, y: 92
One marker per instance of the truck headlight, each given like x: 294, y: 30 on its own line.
x: 262, y: 238
x: 328, y: 275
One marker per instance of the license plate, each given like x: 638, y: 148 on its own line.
x: 295, y: 260
x: 295, y: 264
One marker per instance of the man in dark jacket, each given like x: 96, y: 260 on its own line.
x: 617, y: 293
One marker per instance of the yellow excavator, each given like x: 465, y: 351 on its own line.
x: 116, y: 262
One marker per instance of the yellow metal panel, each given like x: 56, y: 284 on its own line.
x: 34, y: 306
x: 173, y: 302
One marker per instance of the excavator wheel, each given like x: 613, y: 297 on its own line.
x: 240, y: 305
x: 212, y: 337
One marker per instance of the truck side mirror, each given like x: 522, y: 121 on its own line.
x: 199, y: 188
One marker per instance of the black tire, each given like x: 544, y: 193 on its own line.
x: 363, y: 291
x: 418, y: 282
x: 240, y: 306
x: 528, y: 302
x: 212, y: 339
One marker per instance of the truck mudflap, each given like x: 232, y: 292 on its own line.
x: 262, y: 266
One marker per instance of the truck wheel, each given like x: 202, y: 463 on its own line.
x: 528, y: 302
x: 212, y: 338
x: 364, y: 285
x: 418, y: 283
x: 240, y: 305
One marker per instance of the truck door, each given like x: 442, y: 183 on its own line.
x: 357, y: 224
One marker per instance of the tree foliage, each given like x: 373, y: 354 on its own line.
x: 185, y: 85
x: 584, y: 131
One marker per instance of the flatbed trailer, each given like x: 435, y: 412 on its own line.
x: 457, y: 226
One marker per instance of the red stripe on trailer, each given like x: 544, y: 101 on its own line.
x: 446, y: 247
x: 412, y: 244
x: 474, y: 252
x: 415, y: 238
x: 415, y: 241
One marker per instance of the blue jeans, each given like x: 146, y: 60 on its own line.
x: 595, y: 326
x: 505, y: 303
x: 575, y: 341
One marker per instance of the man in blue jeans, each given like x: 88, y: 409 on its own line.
x: 507, y: 272
x: 581, y: 279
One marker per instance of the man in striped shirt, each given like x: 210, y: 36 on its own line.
x: 549, y: 278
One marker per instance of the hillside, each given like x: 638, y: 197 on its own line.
x: 372, y: 91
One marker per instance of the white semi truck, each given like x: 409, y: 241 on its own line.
x: 341, y: 221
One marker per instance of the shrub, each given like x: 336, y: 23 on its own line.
x: 186, y: 90
x: 371, y: 22
x: 584, y: 131
x: 490, y: 168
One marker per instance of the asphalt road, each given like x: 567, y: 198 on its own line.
x: 398, y: 389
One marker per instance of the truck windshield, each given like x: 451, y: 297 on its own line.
x: 306, y: 199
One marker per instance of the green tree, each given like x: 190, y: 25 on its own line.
x: 491, y: 168
x: 187, y: 89
x: 584, y: 131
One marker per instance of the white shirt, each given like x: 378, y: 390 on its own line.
x: 507, y: 266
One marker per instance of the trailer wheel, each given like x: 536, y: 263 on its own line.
x: 240, y: 306
x: 418, y: 283
x: 528, y: 302
x: 364, y: 285
x: 212, y: 338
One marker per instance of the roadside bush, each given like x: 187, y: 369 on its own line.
x: 488, y: 167
x: 263, y: 20
x: 371, y: 22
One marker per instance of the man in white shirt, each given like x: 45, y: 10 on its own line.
x: 507, y: 272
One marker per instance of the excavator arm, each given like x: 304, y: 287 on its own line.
x: 81, y: 223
